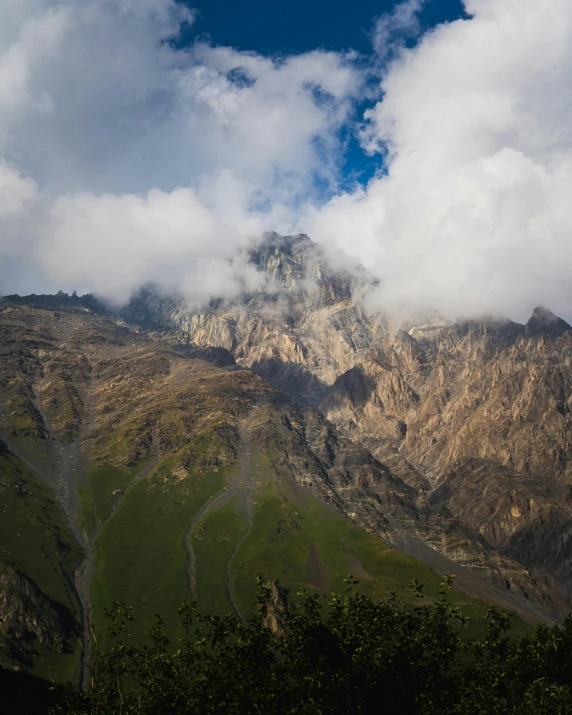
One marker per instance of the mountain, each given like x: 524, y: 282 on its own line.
x: 302, y: 330
x: 146, y: 473
x: 427, y: 398
x: 290, y: 433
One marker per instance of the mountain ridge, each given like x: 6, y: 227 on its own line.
x: 133, y: 440
x: 422, y: 397
x: 447, y: 441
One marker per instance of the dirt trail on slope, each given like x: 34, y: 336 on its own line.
x: 242, y: 486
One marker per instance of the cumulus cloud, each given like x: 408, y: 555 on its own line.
x: 474, y: 213
x: 124, y: 159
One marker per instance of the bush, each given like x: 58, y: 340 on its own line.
x: 351, y: 656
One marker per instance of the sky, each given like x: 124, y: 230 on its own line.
x: 297, y: 26
x: 300, y: 26
x: 151, y: 140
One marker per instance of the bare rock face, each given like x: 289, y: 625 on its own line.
x: 276, y: 609
x: 27, y: 618
x: 303, y: 330
x: 470, y: 421
x: 525, y: 519
x: 480, y: 393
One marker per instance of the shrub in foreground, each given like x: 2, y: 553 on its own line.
x: 352, y: 655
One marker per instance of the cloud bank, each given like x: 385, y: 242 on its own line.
x: 474, y: 214
x: 125, y: 160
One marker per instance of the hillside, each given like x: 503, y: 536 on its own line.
x: 488, y: 399
x: 40, y: 613
x: 179, y: 477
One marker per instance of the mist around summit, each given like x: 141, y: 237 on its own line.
x: 127, y: 159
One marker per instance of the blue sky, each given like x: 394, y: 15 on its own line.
x: 303, y: 25
x: 297, y: 26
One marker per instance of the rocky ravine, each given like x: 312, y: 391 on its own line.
x: 472, y: 413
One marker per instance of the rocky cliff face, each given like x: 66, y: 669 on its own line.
x: 472, y: 413
x: 303, y: 330
x: 28, y: 620
x: 478, y: 389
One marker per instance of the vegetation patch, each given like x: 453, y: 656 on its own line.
x: 139, y: 553
x: 343, y: 655
x: 214, y: 541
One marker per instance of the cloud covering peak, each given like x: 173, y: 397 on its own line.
x: 472, y: 215
x: 125, y: 158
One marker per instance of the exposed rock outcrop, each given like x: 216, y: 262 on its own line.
x: 422, y: 395
x: 276, y: 609
x: 27, y: 619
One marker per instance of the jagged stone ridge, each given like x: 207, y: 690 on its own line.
x: 457, y: 434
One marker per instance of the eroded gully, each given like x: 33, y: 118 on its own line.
x: 241, y: 486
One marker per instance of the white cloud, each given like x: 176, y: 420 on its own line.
x: 16, y: 192
x: 146, y: 162
x: 392, y: 28
x: 474, y: 214
x: 124, y: 160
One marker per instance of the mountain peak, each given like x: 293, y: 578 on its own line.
x: 544, y: 322
x: 273, y: 240
x: 297, y: 264
x: 291, y: 249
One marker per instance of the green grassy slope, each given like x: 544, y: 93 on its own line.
x: 99, y: 494
x: 140, y: 556
x: 36, y: 540
x: 214, y: 542
x: 139, y: 552
x: 302, y: 543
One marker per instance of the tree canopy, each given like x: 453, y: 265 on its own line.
x: 347, y: 655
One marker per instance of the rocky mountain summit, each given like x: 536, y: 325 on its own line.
x: 428, y: 398
x: 305, y: 327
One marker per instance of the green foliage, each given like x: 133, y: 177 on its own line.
x: 139, y: 552
x: 350, y: 655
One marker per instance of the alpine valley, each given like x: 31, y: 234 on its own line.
x: 158, y: 451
